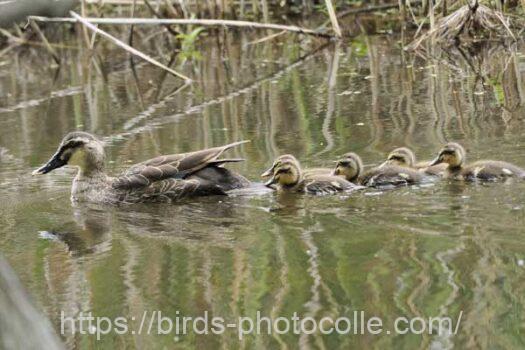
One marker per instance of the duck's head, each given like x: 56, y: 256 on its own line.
x: 452, y: 154
x: 401, y: 156
x: 78, y: 149
x: 349, y: 166
x: 285, y: 171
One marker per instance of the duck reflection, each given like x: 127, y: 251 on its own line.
x: 90, y: 234
x: 289, y: 204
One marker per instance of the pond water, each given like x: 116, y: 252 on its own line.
x: 442, y: 249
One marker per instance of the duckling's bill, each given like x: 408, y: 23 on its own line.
x: 270, y: 171
x: 267, y: 173
x: 384, y: 164
x: 436, y: 161
x: 271, y: 182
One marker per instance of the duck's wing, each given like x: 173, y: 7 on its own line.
x: 390, y: 176
x: 321, y: 185
x: 177, y: 166
x: 171, y: 190
x: 222, y: 177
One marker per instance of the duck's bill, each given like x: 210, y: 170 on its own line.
x: 382, y: 165
x: 267, y: 173
x: 270, y: 182
x: 435, y: 161
x: 54, y: 163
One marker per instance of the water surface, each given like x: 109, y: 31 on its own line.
x: 432, y: 250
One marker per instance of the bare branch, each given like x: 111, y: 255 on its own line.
x: 201, y: 22
x: 125, y: 46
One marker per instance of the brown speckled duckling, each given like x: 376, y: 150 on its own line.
x: 161, y: 179
x: 350, y: 167
x: 453, y: 154
x: 286, y: 173
x: 404, y: 156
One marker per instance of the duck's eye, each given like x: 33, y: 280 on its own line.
x: 66, y: 154
x: 344, y: 163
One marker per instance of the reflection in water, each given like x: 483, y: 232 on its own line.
x: 331, y: 84
x: 421, y: 251
x: 93, y: 235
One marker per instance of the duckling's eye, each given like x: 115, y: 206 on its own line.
x: 344, y: 163
x: 284, y: 170
x: 447, y: 152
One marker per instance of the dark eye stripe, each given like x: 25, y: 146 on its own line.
x: 397, y: 158
x: 65, y: 151
x: 283, y: 171
x: 73, y: 144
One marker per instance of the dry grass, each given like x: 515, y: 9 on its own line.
x: 468, y: 21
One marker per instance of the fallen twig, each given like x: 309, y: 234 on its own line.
x: 367, y: 9
x: 130, y: 125
x: 333, y: 18
x: 125, y: 46
x: 115, y: 2
x: 70, y: 91
x: 201, y: 22
x: 48, y: 46
x: 266, y: 38
x: 157, y: 15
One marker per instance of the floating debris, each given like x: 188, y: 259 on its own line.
x: 47, y: 236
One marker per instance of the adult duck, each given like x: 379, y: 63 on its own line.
x: 165, y: 178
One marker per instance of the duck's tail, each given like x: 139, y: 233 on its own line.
x: 219, y: 162
x: 223, y: 149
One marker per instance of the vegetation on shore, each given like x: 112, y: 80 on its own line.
x: 441, y: 22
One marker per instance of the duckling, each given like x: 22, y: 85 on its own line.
x: 453, y: 155
x: 286, y: 173
x: 404, y: 156
x: 350, y: 166
x: 161, y: 179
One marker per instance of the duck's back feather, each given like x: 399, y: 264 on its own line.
x: 491, y: 170
x: 390, y: 175
x: 326, y: 184
x: 170, y: 190
x: 221, y: 177
x: 178, y: 166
